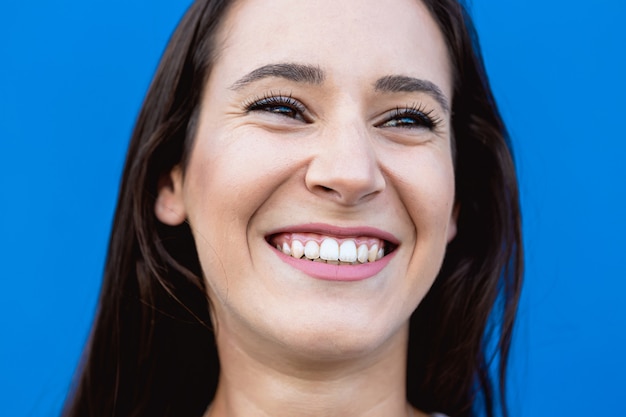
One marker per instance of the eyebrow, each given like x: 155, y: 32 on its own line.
x: 311, y: 74
x: 294, y: 72
x: 402, y: 83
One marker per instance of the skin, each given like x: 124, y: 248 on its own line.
x: 291, y: 344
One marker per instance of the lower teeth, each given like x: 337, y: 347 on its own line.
x: 336, y: 262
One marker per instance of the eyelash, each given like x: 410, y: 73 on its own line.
x: 272, y: 103
x: 421, y: 117
x: 286, y: 105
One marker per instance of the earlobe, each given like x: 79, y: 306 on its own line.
x: 169, y: 206
x: 452, y: 228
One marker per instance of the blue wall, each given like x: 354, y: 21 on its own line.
x: 72, y: 78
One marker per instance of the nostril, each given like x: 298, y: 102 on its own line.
x: 325, y: 190
x: 330, y: 192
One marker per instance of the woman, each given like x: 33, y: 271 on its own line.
x: 322, y: 195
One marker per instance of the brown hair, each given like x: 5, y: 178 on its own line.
x: 152, y: 350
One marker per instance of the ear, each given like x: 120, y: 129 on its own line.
x: 454, y: 216
x: 169, y: 207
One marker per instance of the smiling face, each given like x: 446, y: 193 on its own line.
x: 324, y: 131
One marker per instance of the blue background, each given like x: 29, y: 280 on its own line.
x: 72, y: 78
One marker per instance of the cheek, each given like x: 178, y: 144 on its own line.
x: 229, y: 173
x: 424, y: 180
x: 427, y: 193
x: 229, y: 177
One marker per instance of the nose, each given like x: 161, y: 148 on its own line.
x: 345, y: 168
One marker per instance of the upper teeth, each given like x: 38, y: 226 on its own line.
x: 330, y: 250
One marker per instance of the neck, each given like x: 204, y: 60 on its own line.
x: 256, y: 384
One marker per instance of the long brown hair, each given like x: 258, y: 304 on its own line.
x: 152, y: 349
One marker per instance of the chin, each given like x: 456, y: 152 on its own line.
x: 333, y: 340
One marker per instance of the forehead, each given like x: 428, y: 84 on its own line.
x: 349, y: 39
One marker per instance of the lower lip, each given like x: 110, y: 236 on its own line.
x: 329, y: 272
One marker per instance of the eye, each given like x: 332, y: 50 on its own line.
x: 285, y: 106
x: 411, y: 118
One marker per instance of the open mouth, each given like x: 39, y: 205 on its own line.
x: 331, y: 249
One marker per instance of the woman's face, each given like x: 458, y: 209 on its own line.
x: 324, y: 127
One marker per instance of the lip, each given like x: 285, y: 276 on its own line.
x: 331, y: 272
